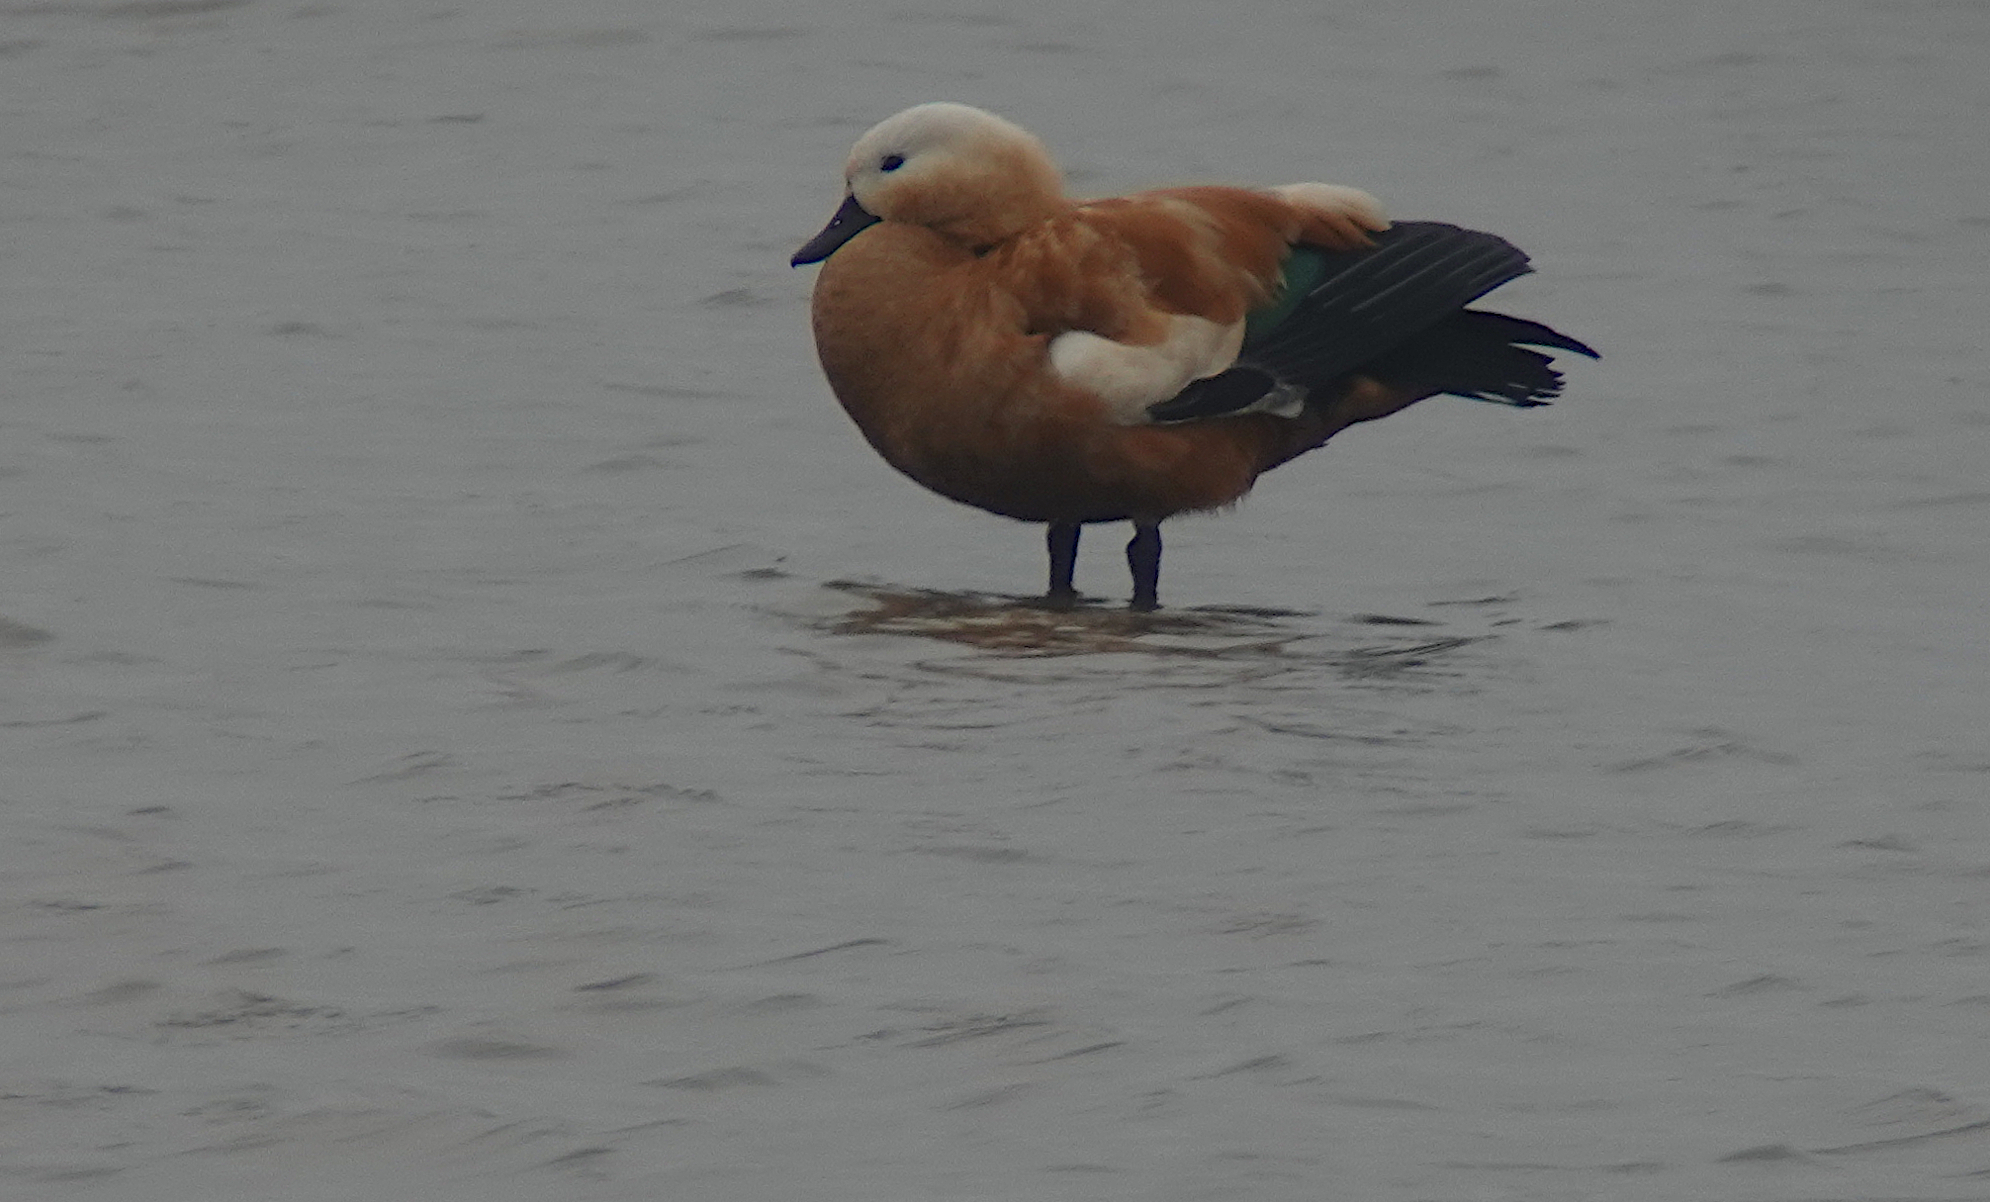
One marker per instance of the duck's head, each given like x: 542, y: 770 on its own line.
x: 966, y: 174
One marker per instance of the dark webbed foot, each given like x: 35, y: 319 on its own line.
x: 1143, y: 555
x: 1062, y: 540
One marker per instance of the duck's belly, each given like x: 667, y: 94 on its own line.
x: 1052, y: 468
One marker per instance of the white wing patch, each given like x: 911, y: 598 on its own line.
x: 1335, y: 198
x: 1130, y: 378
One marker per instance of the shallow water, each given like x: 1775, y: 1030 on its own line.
x: 477, y: 722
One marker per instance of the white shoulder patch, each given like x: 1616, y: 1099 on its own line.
x: 1130, y: 378
x: 1336, y: 198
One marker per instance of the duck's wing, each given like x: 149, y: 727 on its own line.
x: 1397, y: 310
x: 1144, y: 294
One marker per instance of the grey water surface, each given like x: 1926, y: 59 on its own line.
x: 476, y: 722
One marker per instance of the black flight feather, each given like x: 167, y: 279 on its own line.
x: 1395, y: 311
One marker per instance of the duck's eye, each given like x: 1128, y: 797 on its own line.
x: 892, y: 162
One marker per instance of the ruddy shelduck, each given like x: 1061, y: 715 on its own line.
x: 1129, y: 359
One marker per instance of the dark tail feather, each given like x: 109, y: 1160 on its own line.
x: 1528, y: 333
x: 1482, y: 356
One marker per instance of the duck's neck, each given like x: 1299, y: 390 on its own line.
x: 991, y: 207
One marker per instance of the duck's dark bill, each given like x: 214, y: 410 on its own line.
x: 850, y: 220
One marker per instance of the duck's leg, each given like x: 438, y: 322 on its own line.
x: 1143, y: 555
x: 1062, y: 539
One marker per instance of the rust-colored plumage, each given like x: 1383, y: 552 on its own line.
x: 1001, y: 344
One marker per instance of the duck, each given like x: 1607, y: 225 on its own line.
x: 1078, y: 362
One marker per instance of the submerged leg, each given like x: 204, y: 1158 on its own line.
x: 1062, y: 540
x: 1143, y: 555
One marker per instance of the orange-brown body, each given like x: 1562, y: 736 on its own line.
x: 939, y: 350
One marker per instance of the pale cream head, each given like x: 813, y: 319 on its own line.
x: 966, y: 173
